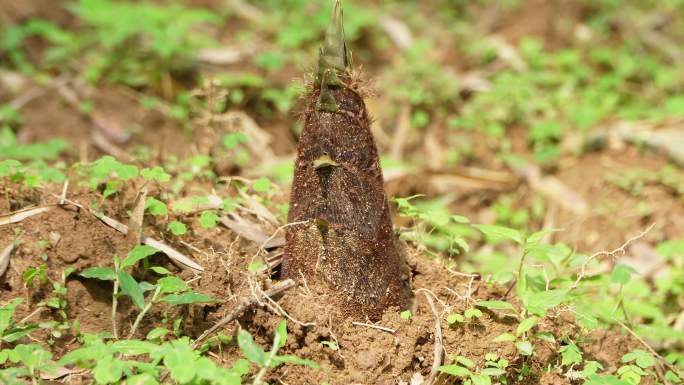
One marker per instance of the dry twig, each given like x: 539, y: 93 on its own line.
x: 383, y: 328
x: 612, y: 254
x: 438, y: 351
x: 242, y: 307
x: 272, y: 260
x: 276, y: 308
x: 665, y: 362
x: 65, y: 188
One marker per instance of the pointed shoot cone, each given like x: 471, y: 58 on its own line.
x: 340, y: 239
x: 334, y: 55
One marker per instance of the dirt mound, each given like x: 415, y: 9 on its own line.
x: 400, y: 347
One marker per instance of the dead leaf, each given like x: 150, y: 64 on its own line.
x: 669, y: 139
x: 113, y: 223
x: 402, y: 131
x: 398, y: 32
x: 220, y: 55
x: 60, y: 372
x: 175, y: 255
x: 19, y: 216
x: 250, y: 231
x: 508, y: 53
x: 137, y: 217
x: 109, y: 127
x: 214, y: 203
x: 102, y: 143
x: 13, y: 81
x: 475, y: 81
x: 417, y: 379
x: 273, y: 259
x: 553, y: 189
x: 259, y: 143
x: 254, y: 207
x: 433, y: 148
x: 245, y: 10
x: 644, y: 258
x: 469, y: 179
x: 5, y: 258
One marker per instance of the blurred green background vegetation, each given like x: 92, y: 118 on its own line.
x: 542, y: 69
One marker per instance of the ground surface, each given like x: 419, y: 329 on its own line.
x: 602, y: 197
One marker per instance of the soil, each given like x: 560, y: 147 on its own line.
x: 554, y: 21
x: 366, y: 355
x: 76, y: 239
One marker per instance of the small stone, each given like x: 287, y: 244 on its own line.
x: 54, y: 238
x: 366, y: 359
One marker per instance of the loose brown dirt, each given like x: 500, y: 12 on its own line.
x: 75, y: 238
x: 79, y: 240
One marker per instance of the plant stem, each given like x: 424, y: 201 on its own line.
x: 520, y: 267
x: 258, y: 380
x: 143, y: 312
x: 115, y: 303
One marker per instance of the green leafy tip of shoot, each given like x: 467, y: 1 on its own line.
x: 33, y: 274
x: 500, y: 233
x: 539, y: 303
x: 621, y: 274
x: 521, y: 336
x: 107, y: 167
x: 640, y: 357
x: 526, y: 325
